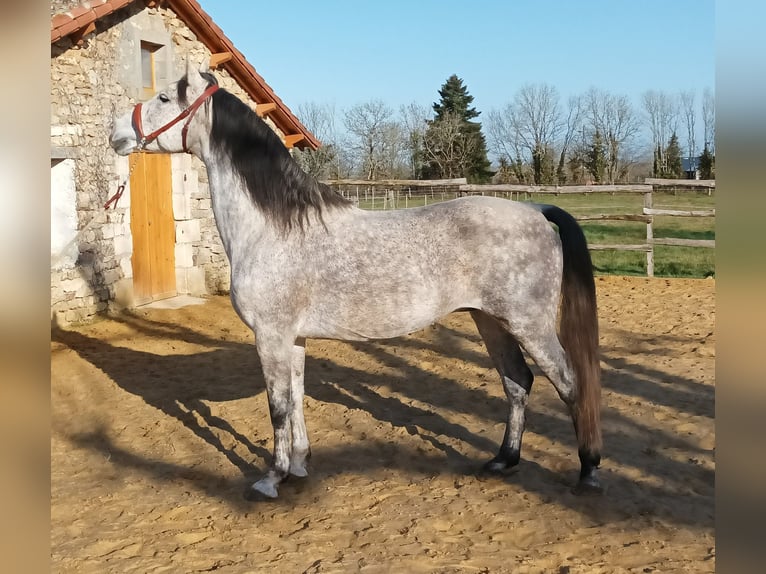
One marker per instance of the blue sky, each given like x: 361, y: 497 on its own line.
x: 346, y: 52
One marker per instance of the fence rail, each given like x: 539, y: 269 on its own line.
x: 693, y: 183
x: 397, y: 182
x: 393, y: 191
x: 556, y: 189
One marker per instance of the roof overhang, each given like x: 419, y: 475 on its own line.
x: 80, y: 21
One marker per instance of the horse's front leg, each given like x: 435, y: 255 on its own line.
x: 276, y: 361
x: 301, y: 451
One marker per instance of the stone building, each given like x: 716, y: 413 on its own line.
x: 160, y: 239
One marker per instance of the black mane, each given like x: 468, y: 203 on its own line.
x: 278, y: 186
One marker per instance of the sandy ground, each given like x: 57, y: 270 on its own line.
x: 160, y: 422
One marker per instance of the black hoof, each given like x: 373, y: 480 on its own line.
x: 499, y: 467
x: 588, y: 487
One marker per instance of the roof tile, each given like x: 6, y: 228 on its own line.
x: 68, y: 28
x: 86, y: 18
x: 78, y: 11
x: 60, y: 19
x: 103, y: 9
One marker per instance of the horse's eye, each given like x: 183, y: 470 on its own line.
x: 163, y: 98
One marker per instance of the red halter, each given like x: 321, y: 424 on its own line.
x: 143, y: 140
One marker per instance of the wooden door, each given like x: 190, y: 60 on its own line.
x: 153, y: 228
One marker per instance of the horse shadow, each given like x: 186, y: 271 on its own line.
x: 178, y: 386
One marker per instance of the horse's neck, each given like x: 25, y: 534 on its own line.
x: 240, y: 224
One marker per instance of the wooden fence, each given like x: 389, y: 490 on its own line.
x: 396, y: 193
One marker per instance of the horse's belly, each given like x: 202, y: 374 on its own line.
x: 376, y: 320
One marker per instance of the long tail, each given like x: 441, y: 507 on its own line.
x: 579, y: 326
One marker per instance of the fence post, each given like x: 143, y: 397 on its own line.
x: 649, y: 236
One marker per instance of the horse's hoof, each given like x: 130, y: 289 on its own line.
x: 588, y: 487
x: 499, y: 468
x: 263, y: 489
x: 298, y: 471
x: 298, y: 467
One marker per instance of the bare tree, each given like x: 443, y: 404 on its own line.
x: 651, y: 102
x: 531, y: 127
x: 536, y: 116
x: 320, y: 120
x: 414, y: 122
x: 366, y: 124
x: 505, y: 141
x: 690, y: 115
x: 662, y: 110
x: 708, y: 119
x: 570, y: 128
x: 392, y: 152
x: 613, y: 117
x: 446, y: 147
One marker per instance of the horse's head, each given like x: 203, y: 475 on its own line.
x: 163, y: 124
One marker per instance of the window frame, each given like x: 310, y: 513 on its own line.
x: 149, y: 89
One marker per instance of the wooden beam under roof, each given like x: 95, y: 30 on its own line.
x: 216, y: 60
x: 263, y: 109
x: 292, y: 139
x: 78, y: 36
x: 207, y: 32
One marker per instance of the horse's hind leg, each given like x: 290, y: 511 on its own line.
x: 517, y: 382
x: 546, y: 350
x: 301, y: 450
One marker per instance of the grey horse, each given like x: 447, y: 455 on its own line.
x: 301, y: 267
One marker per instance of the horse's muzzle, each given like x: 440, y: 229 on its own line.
x: 122, y: 138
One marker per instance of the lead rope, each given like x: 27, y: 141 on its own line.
x: 121, y: 188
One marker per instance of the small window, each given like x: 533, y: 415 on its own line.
x: 148, y: 80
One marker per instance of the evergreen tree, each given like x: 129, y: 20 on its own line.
x: 707, y: 164
x: 595, y: 159
x: 675, y: 168
x: 456, y: 101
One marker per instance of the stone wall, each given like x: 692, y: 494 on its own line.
x: 91, y: 83
x: 84, y: 94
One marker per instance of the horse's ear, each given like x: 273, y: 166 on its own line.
x: 193, y: 76
x: 205, y: 65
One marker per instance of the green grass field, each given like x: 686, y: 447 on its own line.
x: 668, y: 261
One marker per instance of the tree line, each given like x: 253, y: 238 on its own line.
x: 595, y: 137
